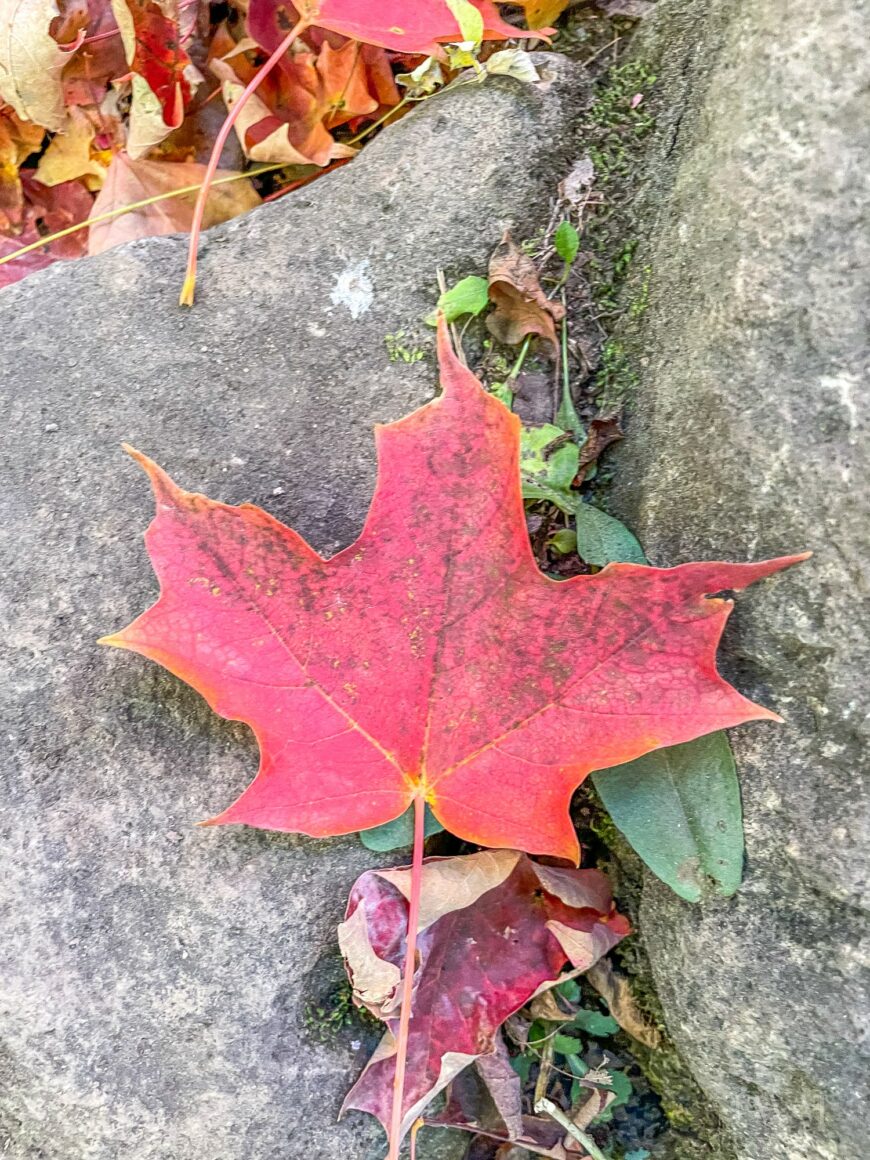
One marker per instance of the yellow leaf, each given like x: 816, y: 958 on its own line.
x: 543, y: 13
x: 69, y: 155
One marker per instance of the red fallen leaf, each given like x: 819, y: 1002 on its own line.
x: 159, y: 64
x: 15, y: 270
x: 356, y: 81
x: 90, y: 33
x: 51, y: 209
x: 55, y: 208
x: 432, y: 659
x: 418, y: 27
x: 284, y: 121
x: 352, y: 79
x: 495, y: 925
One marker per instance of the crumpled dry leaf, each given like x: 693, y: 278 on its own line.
x: 31, y: 61
x: 600, y: 434
x: 521, y: 306
x: 615, y: 990
x: 545, y: 1006
x: 129, y: 180
x: 493, y: 923
x: 375, y: 980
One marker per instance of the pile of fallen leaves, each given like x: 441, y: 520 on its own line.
x: 112, y: 104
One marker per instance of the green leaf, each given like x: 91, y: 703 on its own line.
x: 564, y: 542
x: 576, y: 1065
x: 469, y: 19
x: 503, y: 393
x: 603, y: 540
x: 562, y: 466
x: 567, y: 1044
x: 548, y: 475
x: 538, y: 1033
x: 522, y: 1065
x: 569, y: 990
x: 469, y: 296
x: 622, y: 1089
x: 680, y: 810
x: 567, y: 242
x: 399, y: 833
x: 595, y: 1023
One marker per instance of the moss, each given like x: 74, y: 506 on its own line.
x: 334, y: 1012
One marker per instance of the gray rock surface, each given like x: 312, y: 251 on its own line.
x: 748, y: 438
x: 155, y: 976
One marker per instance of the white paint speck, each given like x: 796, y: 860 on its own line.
x: 353, y: 289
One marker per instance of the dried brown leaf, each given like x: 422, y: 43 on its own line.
x: 521, y: 306
x: 616, y: 992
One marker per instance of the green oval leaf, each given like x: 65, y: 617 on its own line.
x: 601, y: 539
x: 567, y: 242
x: 680, y: 810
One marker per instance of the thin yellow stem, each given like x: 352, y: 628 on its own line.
x: 187, y: 290
x: 408, y: 980
x: 134, y: 205
x: 380, y: 121
x: 415, y: 1128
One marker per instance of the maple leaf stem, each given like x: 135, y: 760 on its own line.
x: 408, y: 979
x: 187, y: 290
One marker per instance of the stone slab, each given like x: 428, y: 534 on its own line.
x: 156, y: 976
x: 747, y: 439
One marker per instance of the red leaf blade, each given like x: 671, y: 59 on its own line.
x: 431, y: 657
x: 487, y: 924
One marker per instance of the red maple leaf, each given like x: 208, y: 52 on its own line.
x: 497, y: 926
x: 418, y: 27
x: 432, y: 659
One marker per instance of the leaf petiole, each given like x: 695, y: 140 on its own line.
x: 187, y: 291
x: 408, y: 979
